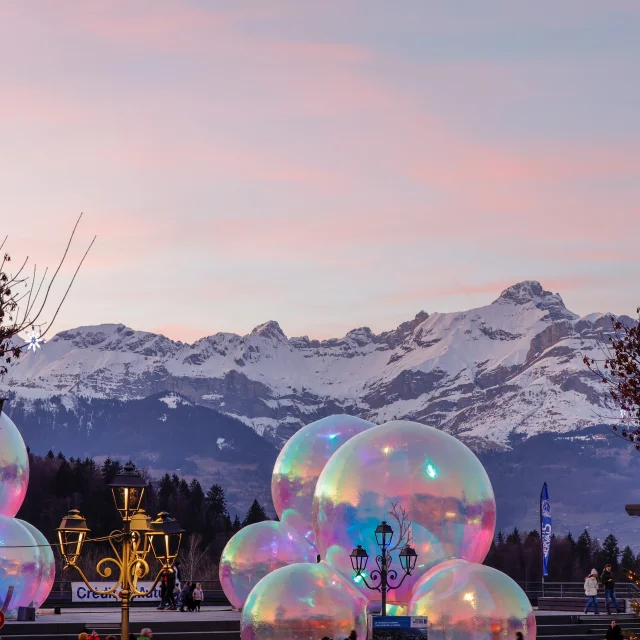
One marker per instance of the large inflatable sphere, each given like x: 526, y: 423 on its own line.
x: 300, y: 463
x: 303, y: 601
x: 20, y: 569
x: 468, y: 600
x: 47, y: 563
x: 256, y: 551
x: 407, y: 474
x: 14, y: 467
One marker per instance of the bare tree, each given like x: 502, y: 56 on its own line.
x: 195, y: 560
x: 400, y: 515
x: 24, y: 298
x: 620, y: 370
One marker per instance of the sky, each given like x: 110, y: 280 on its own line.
x: 328, y: 165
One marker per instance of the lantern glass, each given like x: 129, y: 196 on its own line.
x: 359, y: 558
x: 128, y: 490
x: 384, y: 534
x: 165, y: 536
x: 72, y: 534
x: 408, y: 559
x: 141, y: 542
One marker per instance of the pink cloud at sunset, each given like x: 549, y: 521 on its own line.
x: 328, y: 165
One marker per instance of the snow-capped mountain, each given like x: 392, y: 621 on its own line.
x: 513, y: 367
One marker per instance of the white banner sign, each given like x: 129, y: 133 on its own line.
x: 81, y: 593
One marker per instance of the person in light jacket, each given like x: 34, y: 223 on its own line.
x: 591, y: 591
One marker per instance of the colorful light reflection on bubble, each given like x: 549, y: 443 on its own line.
x: 19, y: 563
x: 47, y: 564
x: 307, y: 601
x: 14, y: 467
x: 465, y: 599
x: 300, y: 463
x: 256, y: 551
x: 433, y: 476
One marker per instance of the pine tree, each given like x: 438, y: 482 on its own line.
x: 237, y: 525
x: 255, y: 514
x: 583, y: 550
x: 611, y: 551
x: 51, y: 455
x: 165, y: 491
x: 571, y: 542
x: 628, y: 560
x: 216, y: 503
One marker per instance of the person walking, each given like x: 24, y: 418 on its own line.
x: 614, y: 632
x: 591, y: 591
x: 185, y: 597
x: 609, y: 588
x: 145, y: 633
x: 198, y: 597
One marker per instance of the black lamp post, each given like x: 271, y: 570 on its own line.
x: 383, y: 578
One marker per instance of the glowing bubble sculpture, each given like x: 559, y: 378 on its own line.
x: 14, y: 467
x: 19, y: 563
x: 256, y: 551
x: 300, y: 463
x: 438, y: 482
x: 303, y: 601
x: 47, y: 564
x: 468, y: 600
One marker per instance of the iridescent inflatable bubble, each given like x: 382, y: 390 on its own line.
x: 300, y: 463
x: 256, y: 551
x: 434, y: 482
x: 20, y: 569
x: 468, y: 600
x: 14, y: 467
x: 47, y: 564
x: 303, y: 601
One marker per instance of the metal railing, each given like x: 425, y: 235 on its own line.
x: 535, y: 590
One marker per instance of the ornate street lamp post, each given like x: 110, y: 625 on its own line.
x: 383, y: 575
x: 131, y: 545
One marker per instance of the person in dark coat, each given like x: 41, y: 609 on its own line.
x: 185, y: 597
x: 609, y: 588
x: 614, y: 632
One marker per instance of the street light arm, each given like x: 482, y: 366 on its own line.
x: 393, y: 575
x: 134, y: 588
x: 98, y: 592
x: 372, y: 575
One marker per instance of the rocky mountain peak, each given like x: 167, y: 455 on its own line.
x: 531, y: 291
x: 270, y: 329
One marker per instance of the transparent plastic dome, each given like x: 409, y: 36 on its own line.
x: 256, y: 551
x: 14, y: 467
x: 300, y: 463
x: 47, y: 564
x: 468, y: 600
x: 438, y: 482
x: 303, y: 602
x: 20, y: 568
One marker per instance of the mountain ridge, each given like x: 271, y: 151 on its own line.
x: 513, y: 366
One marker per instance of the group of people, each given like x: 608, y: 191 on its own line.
x: 144, y: 635
x: 591, y: 585
x: 174, y: 595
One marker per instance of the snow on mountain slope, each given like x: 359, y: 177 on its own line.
x: 514, y: 366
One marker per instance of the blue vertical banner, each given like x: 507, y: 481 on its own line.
x: 545, y: 528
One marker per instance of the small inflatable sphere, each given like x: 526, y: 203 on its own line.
x: 256, y: 551
x: 468, y: 600
x: 14, y: 467
x: 300, y: 463
x: 303, y: 602
x: 47, y: 563
x: 438, y: 482
x: 20, y: 566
